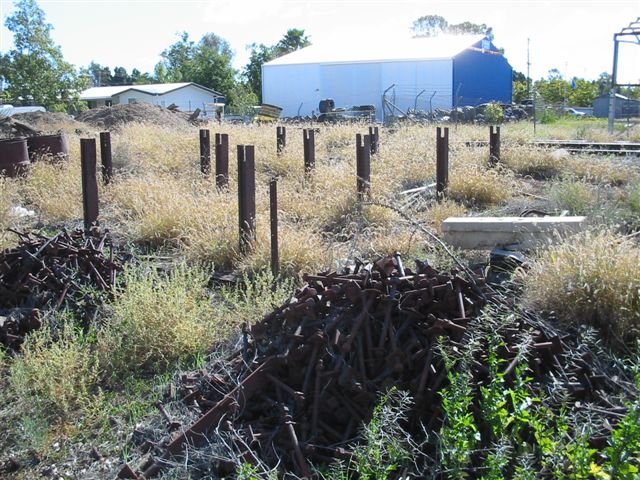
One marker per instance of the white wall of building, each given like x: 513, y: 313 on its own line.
x: 349, y: 84
x: 187, y: 99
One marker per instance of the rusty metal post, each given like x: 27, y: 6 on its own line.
x: 105, y: 157
x: 281, y: 138
x: 273, y: 213
x: 89, y: 181
x: 375, y: 140
x: 363, y: 164
x: 309, y: 142
x: 246, y: 196
x: 494, y: 145
x: 442, y: 161
x: 205, y: 152
x: 222, y: 160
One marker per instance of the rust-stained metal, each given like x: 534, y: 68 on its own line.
x: 205, y: 152
x: 374, y: 134
x: 442, y: 160
x: 105, y: 157
x: 363, y: 165
x: 273, y: 216
x: 281, y: 138
x: 309, y: 145
x: 89, y: 182
x: 494, y: 144
x: 222, y: 160
x: 246, y: 196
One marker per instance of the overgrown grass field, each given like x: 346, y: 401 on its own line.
x: 72, y: 390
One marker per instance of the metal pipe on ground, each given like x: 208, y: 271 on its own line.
x: 89, y: 182
x: 205, y: 152
x: 363, y: 165
x: 494, y: 145
x: 246, y: 196
x: 105, y: 157
x: 309, y: 142
x: 442, y: 161
x: 222, y: 160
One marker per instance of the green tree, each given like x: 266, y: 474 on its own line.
x: 294, y: 39
x: 207, y: 63
x: 553, y: 89
x: 583, y: 92
x: 434, y: 25
x: 34, y: 70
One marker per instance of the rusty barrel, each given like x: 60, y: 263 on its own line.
x: 14, y: 156
x: 53, y: 145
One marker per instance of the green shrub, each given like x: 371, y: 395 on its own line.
x: 494, y: 113
x: 158, y: 321
x: 574, y: 195
x: 55, y: 375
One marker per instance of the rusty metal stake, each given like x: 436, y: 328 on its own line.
x: 442, y: 161
x: 363, y: 165
x: 246, y: 196
x: 375, y: 140
x: 222, y: 160
x: 89, y: 181
x: 105, y: 157
x: 494, y: 145
x: 205, y: 152
x: 309, y: 141
x: 281, y: 139
x: 273, y: 212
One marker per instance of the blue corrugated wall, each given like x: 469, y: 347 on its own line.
x: 481, y: 77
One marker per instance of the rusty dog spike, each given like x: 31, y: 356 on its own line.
x: 273, y: 214
x: 205, y: 152
x: 89, y: 182
x: 375, y: 139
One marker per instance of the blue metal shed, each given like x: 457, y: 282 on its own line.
x: 412, y: 73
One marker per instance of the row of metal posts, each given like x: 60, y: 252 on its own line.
x: 366, y: 145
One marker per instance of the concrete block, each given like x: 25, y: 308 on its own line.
x: 477, y: 233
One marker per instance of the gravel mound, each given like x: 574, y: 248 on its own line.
x: 114, y: 117
x: 49, y: 122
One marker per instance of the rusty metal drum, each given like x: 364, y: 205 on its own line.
x: 54, y: 146
x: 14, y: 156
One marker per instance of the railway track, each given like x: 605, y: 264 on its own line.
x: 580, y: 146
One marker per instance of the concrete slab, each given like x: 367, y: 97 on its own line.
x: 524, y: 232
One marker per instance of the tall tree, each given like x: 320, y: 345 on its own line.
x: 35, y: 70
x: 434, y: 25
x: 208, y: 63
x: 294, y: 39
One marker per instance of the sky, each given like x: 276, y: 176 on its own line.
x: 573, y: 36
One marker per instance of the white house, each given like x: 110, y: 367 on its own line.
x: 186, y: 96
x: 393, y: 75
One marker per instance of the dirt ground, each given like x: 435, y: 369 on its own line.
x: 111, y: 118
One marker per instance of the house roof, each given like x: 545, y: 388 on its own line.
x: 380, y: 50
x: 103, y: 93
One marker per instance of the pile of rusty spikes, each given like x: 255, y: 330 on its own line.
x: 310, y: 372
x: 52, y: 273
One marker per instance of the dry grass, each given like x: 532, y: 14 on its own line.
x: 600, y: 171
x: 576, y: 196
x: 593, y: 278
x: 54, y: 191
x: 476, y: 185
x: 534, y: 162
x: 438, y: 212
x: 158, y: 321
x: 9, y: 198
